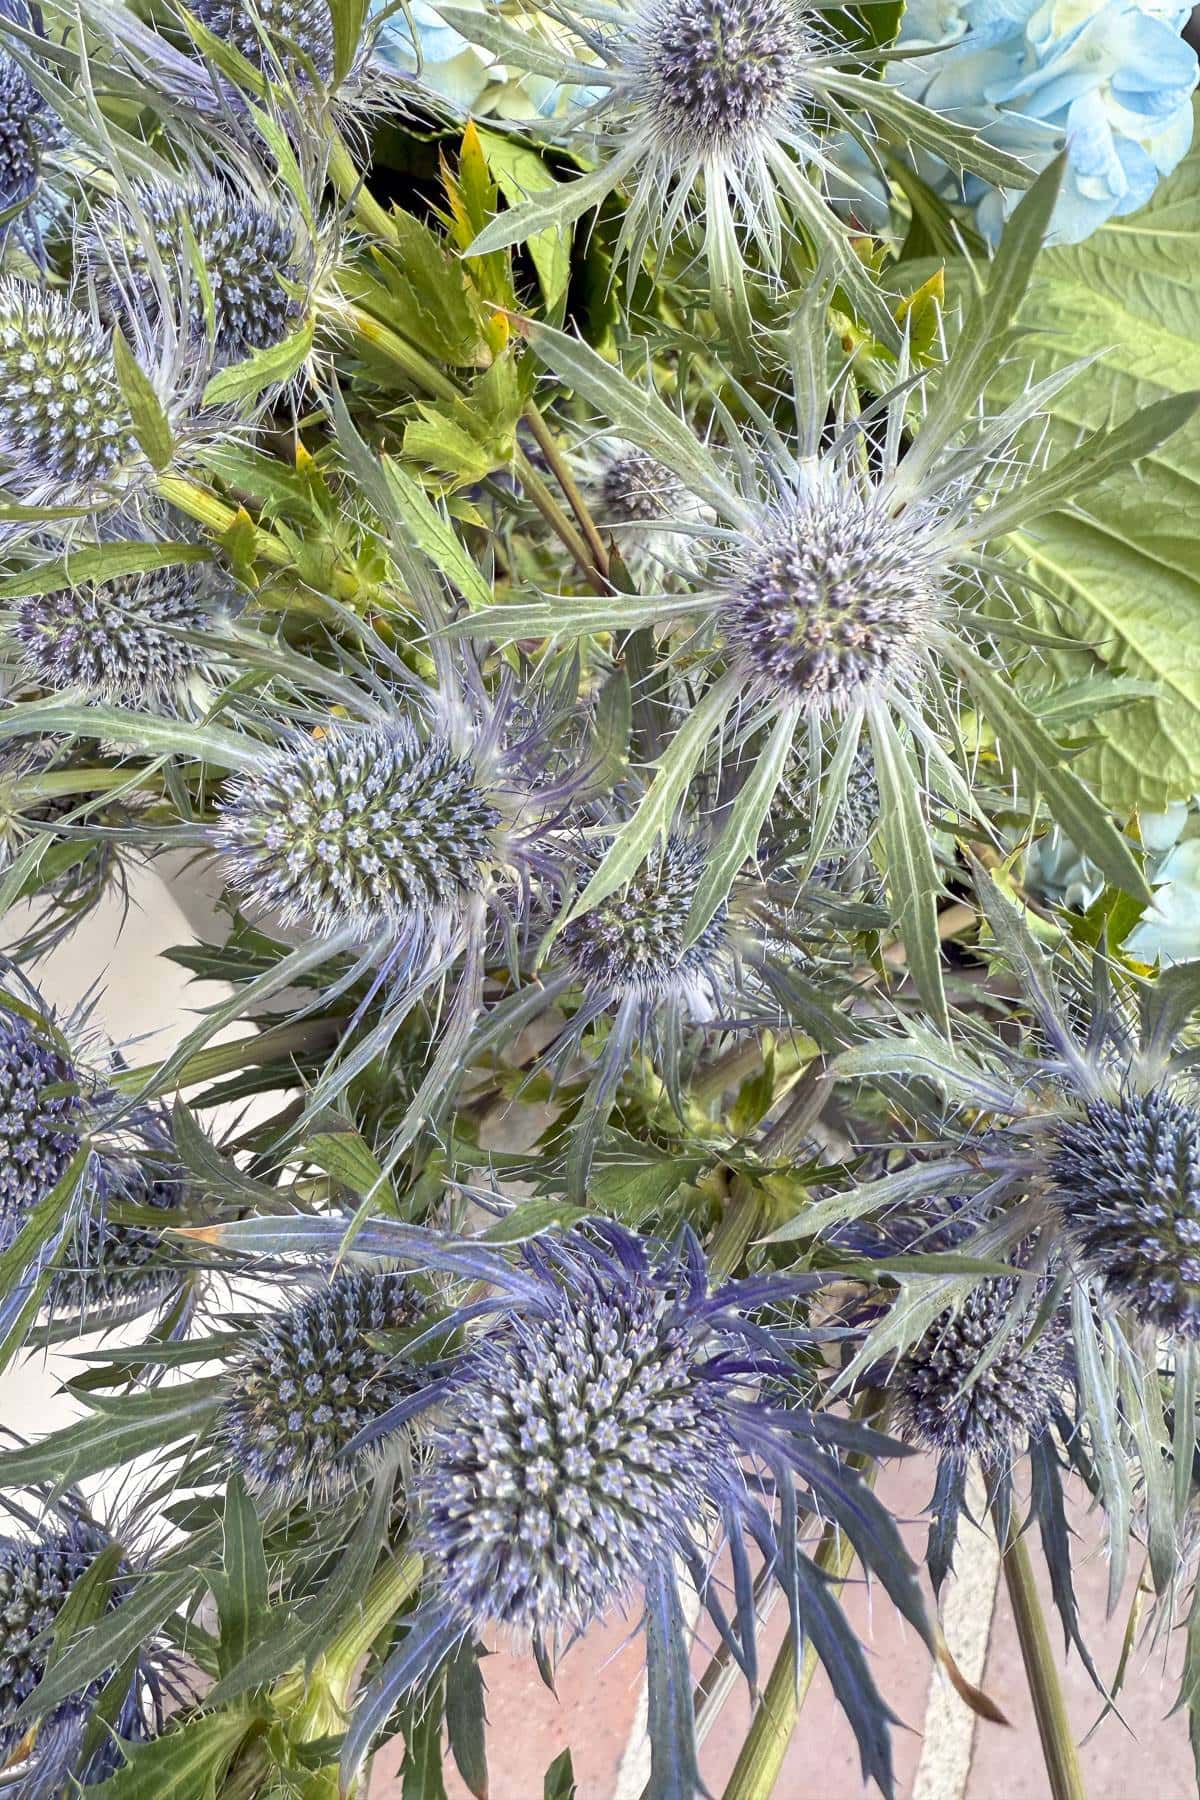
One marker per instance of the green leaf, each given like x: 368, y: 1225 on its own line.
x: 115, y: 1432
x: 158, y: 737
x: 1099, y: 1405
x: 23, y: 1282
x: 277, y: 363
x: 559, y: 1782
x: 652, y: 820
x: 1038, y: 759
x: 520, y: 172
x: 349, y: 17
x: 98, y: 562
x: 150, y: 425
x: 187, y: 1763
x: 240, y: 1586
x: 912, y: 879
x: 1121, y: 561
x: 465, y: 1719
x: 344, y: 1154
x: 905, y: 122
x: 433, y: 533
x: 739, y: 839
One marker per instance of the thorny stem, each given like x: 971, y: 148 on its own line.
x: 1041, y: 1671
x: 562, y: 474
x: 558, y: 521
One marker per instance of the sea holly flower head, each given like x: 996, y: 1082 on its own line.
x: 371, y: 826
x: 38, y: 1573
x: 294, y: 34
x: 248, y: 248
x: 717, y: 112
x: 312, y: 1380
x: 121, y: 641
x: 615, y: 1421
x: 43, y: 1117
x: 30, y: 133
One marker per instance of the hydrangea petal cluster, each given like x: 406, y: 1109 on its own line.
x: 312, y: 1381
x: 946, y: 1402
x: 1125, y: 1176
x: 582, y: 1446
x: 41, y: 1119
x: 64, y: 425
x: 247, y: 249
x: 296, y: 34
x: 118, y: 641
x: 1110, y: 79
x: 633, y: 942
x: 370, y: 827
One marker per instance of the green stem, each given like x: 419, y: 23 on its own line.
x: 562, y: 474
x: 61, y: 784
x: 226, y: 1059
x: 761, y: 1756
x: 558, y: 521
x: 357, y: 322
x: 1041, y: 1671
x: 197, y: 503
x: 351, y: 187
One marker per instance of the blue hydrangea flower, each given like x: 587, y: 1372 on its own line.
x: 618, y: 1420
x: 1110, y: 79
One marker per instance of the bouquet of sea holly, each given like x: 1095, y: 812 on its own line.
x: 642, y: 554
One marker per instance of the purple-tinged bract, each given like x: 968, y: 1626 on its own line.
x: 582, y: 1446
x: 1125, y: 1176
x: 312, y: 1381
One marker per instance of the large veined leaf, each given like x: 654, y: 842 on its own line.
x: 1123, y: 558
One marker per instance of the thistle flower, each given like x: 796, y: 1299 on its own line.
x: 948, y: 1399
x: 633, y: 944
x: 65, y: 428
x: 1125, y: 1177
x: 113, y: 1268
x: 312, y: 1381
x: 293, y: 35
x: 118, y: 641
x: 715, y: 111
x: 642, y: 504
x: 30, y: 133
x: 617, y: 1421
x: 363, y: 826
x: 43, y: 1117
x: 849, y: 592
x: 37, y: 1576
x: 248, y: 250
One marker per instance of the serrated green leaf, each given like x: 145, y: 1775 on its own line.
x: 739, y: 838
x: 240, y: 1585
x: 520, y: 172
x: 98, y: 562
x: 116, y: 1432
x: 345, y: 1155
x: 151, y: 427
x: 186, y: 1763
x: 433, y: 533
x: 277, y: 363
